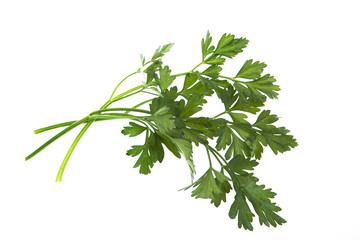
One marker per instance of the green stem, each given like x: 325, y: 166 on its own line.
x: 214, y: 152
x: 208, y: 154
x: 217, y: 155
x: 122, y: 82
x: 56, y: 137
x: 127, y: 93
x: 120, y: 109
x: 138, y: 105
x: 220, y: 114
x: 71, y: 149
x: 229, y: 78
x: 82, y: 132
x: 64, y: 124
x: 113, y: 116
x: 196, y: 66
x: 232, y: 79
x: 151, y: 93
x: 180, y: 74
x: 192, y: 70
x: 92, y: 119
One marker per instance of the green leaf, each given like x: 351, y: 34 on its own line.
x: 184, y: 146
x: 214, y: 85
x: 223, y: 183
x: 189, y: 81
x: 256, y: 148
x: 162, y: 115
x: 198, y: 88
x: 206, y: 186
x: 213, y: 71
x: 241, y: 209
x: 238, y: 146
x: 229, y: 46
x: 239, y: 164
x: 277, y: 138
x: 151, y: 71
x: 215, y: 60
x: 135, y: 150
x: 202, y: 124
x: 170, y: 145
x: 226, y: 137
x: 244, y: 129
x: 228, y: 97
x: 238, y: 117
x: 163, y: 120
x: 144, y: 162
x: 192, y: 106
x: 151, y: 152
x: 194, y: 136
x: 206, y: 49
x: 243, y: 93
x: 251, y: 70
x: 260, y: 200
x: 161, y: 51
x: 165, y: 79
x: 156, y: 149
x: 133, y: 130
x: 210, y: 187
x: 265, y: 119
x: 264, y: 85
x: 142, y: 58
x: 250, y: 106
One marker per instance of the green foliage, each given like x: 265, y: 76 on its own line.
x: 248, y: 191
x: 162, y: 50
x: 133, y: 130
x: 151, y: 152
x: 212, y: 185
x: 171, y: 121
x: 251, y: 70
x: 229, y: 46
x: 165, y: 79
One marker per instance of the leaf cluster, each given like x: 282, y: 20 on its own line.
x: 172, y: 122
x: 239, y: 143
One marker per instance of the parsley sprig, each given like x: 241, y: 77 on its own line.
x: 170, y: 119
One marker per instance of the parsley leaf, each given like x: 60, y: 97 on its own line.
x: 277, y: 138
x: 238, y: 164
x: 251, y: 70
x: 241, y: 209
x: 260, y: 199
x: 192, y: 106
x: 162, y: 50
x: 133, y: 130
x: 227, y: 137
x: 205, y: 46
x: 165, y: 79
x: 229, y: 46
x: 213, y: 71
x: 185, y: 148
x: 210, y: 187
x: 265, y: 85
x: 151, y: 152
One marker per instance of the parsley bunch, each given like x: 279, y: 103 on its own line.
x: 172, y: 121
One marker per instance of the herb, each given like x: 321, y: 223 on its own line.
x: 170, y: 119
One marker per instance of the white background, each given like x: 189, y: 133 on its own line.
x: 60, y: 60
